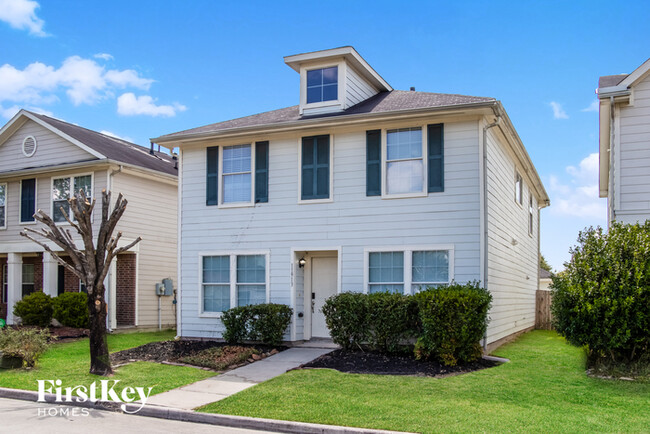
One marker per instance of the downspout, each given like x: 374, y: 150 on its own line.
x: 485, y: 207
x: 612, y: 167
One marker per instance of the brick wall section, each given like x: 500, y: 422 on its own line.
x: 3, y: 306
x: 125, y: 290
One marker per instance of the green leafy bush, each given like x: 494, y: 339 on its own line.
x: 392, y: 319
x: 265, y: 323
x: 602, y: 299
x: 346, y: 316
x: 453, y: 322
x: 26, y: 343
x: 35, y: 309
x: 71, y: 310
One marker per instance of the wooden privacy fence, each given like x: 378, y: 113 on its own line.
x: 543, y: 310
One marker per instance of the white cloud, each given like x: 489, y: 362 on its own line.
x: 21, y: 14
x: 593, y: 107
x: 130, y: 105
x: 579, y: 196
x: 9, y: 112
x: 84, y: 81
x: 103, y: 56
x: 558, y: 111
x: 110, y: 134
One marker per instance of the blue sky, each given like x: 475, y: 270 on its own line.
x: 146, y: 68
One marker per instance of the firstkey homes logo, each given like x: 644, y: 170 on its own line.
x: 102, y: 390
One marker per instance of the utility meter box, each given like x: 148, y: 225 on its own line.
x: 160, y: 289
x: 169, y: 286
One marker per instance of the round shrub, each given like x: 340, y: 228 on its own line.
x: 453, y: 320
x: 346, y: 316
x: 35, y: 309
x: 601, y: 300
x: 71, y: 310
x: 264, y: 323
x: 392, y: 319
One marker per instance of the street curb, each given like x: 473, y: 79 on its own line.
x: 191, y: 416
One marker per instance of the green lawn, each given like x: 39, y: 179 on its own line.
x: 543, y: 389
x: 70, y: 362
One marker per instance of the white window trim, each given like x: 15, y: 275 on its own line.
x: 408, y: 262
x: 221, y: 184
x: 71, y: 177
x: 384, y: 164
x: 20, y: 198
x: 519, y: 200
x: 6, y: 188
x: 531, y: 213
x: 31, y: 154
x: 232, y: 254
x: 342, y: 73
x: 329, y: 199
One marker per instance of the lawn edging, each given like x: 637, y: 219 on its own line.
x: 191, y: 416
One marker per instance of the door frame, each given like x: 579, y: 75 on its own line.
x: 308, y: 254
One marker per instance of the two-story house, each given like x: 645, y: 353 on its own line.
x: 359, y: 187
x: 43, y: 161
x: 624, y: 172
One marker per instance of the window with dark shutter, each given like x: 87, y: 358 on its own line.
x: 373, y: 163
x: 27, y: 200
x: 315, y: 168
x: 436, y: 168
x: 261, y: 171
x: 212, y: 177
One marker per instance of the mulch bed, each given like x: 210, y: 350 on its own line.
x: 173, y: 351
x: 359, y: 362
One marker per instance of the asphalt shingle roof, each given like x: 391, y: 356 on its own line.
x: 114, y: 148
x: 396, y: 100
x: 611, y: 80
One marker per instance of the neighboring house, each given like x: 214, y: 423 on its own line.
x: 358, y: 188
x: 625, y: 144
x: 544, y: 279
x: 42, y: 161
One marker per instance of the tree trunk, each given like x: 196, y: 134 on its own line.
x: 100, y: 363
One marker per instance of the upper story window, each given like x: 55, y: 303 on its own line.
x: 322, y: 84
x: 530, y: 214
x: 3, y: 206
x: 27, y: 200
x: 63, y: 189
x: 404, y: 161
x: 237, y: 175
x: 315, y: 168
x: 518, y: 189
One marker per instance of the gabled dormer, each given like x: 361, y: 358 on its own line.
x: 333, y: 80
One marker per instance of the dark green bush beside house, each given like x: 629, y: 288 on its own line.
x: 35, y: 309
x: 264, y: 323
x: 602, y: 299
x: 447, y: 323
x: 71, y: 310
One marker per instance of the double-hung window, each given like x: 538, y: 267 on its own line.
x: 530, y: 214
x: 230, y: 280
x: 322, y: 84
x: 518, y: 189
x: 63, y: 189
x: 3, y: 206
x: 315, y: 170
x: 404, y: 161
x: 407, y: 271
x: 237, y: 174
x: 27, y: 200
x: 28, y: 279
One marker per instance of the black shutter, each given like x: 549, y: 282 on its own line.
x: 261, y: 171
x: 373, y: 163
x: 27, y: 200
x: 212, y: 178
x: 435, y: 147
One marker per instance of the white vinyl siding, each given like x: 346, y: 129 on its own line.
x: 350, y: 222
x: 357, y: 89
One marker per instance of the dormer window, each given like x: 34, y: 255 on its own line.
x: 322, y: 84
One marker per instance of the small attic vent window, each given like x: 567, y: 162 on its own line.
x: 29, y: 146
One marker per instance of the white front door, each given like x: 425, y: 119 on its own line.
x: 323, y: 286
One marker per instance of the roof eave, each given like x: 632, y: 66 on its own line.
x: 324, y: 121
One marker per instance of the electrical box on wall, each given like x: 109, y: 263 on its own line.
x: 169, y: 286
x: 160, y: 289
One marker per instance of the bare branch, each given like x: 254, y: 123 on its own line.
x: 54, y: 254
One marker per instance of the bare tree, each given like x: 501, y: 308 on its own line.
x: 91, y: 264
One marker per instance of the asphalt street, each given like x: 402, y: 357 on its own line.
x: 34, y: 417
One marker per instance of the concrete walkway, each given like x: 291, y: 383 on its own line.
x: 222, y: 386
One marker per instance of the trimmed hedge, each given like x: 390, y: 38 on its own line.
x: 602, y: 299
x: 448, y: 322
x: 71, y: 310
x: 264, y: 323
x: 35, y: 309
x: 453, y: 321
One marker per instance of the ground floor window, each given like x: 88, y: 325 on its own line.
x: 5, y: 286
x: 407, y: 271
x: 28, y: 279
x: 230, y: 280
